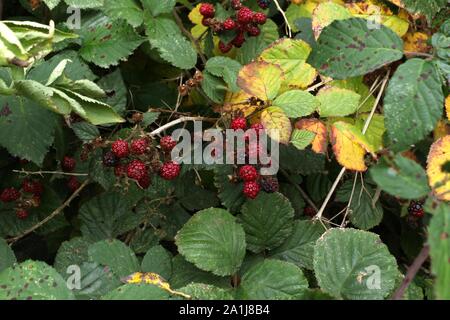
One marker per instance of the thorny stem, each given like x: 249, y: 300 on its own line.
x: 412, y: 271
x: 288, y: 26
x: 41, y: 173
x: 57, y: 211
x: 343, y: 170
x: 189, y: 35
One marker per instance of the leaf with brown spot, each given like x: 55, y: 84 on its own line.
x: 320, y: 142
x: 325, y: 13
x: 439, y: 179
x: 416, y: 42
x: 261, y: 80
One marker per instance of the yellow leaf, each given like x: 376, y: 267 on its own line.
x: 238, y: 102
x: 277, y: 124
x: 442, y: 129
x: 195, y: 16
x: 320, y: 143
x: 349, y: 146
x: 291, y: 56
x: 439, y: 178
x: 153, y: 279
x: 416, y: 42
x: 261, y: 80
x: 325, y: 13
x: 447, y: 107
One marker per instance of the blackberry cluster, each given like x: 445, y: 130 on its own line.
x: 138, y: 160
x: 27, y: 197
x: 244, y: 22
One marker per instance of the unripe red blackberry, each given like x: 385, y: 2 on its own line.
x: 9, y: 195
x: 120, y: 170
x: 259, y: 18
x: 239, y: 123
x: 257, y: 127
x: 251, y: 189
x: 207, y: 10
x: 236, y: 4
x: 239, y: 40
x: 68, y: 164
x: 270, y: 184
x: 225, y: 48
x: 309, y: 211
x: 139, y: 146
x: 22, y: 214
x: 167, y: 143
x: 120, y: 149
x: 253, y: 31
x: 244, y: 15
x: 34, y: 187
x: 415, y: 208
x: 110, y: 160
x: 137, y: 170
x: 170, y: 170
x: 73, y: 184
x: 229, y: 24
x: 145, y: 182
x: 248, y: 173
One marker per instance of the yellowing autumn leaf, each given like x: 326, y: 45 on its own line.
x: 439, y: 179
x: 277, y: 124
x: 320, y: 142
x: 349, y: 146
x: 153, y: 279
x: 442, y: 129
x: 416, y: 42
x: 291, y: 56
x: 237, y: 102
x: 325, y: 13
x: 261, y: 80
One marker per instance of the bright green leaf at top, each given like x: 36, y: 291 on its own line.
x: 337, y: 102
x: 354, y: 264
x: 261, y: 79
x: 291, y: 56
x: 213, y: 241
x: 348, y: 48
x: 297, y: 103
x: 405, y: 178
x: 439, y: 241
x: 157, y: 7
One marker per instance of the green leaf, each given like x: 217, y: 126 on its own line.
x: 185, y: 273
x: 364, y: 214
x: 85, y: 131
x: 106, y: 43
x: 85, y: 4
x: 213, y: 87
x: 200, y: 291
x: 405, y: 179
x: 157, y: 7
x: 72, y: 252
x: 302, y: 138
x: 273, y: 280
x: 96, y: 281
x: 357, y: 85
x: 348, y: 48
x: 297, y: 103
x: 137, y: 292
x: 439, y: 241
x: 26, y: 130
x: 7, y: 257
x: 116, y: 91
x: 107, y: 216
x: 267, y: 229
x: 230, y: 193
x: 413, y: 102
x: 213, y: 241
x: 337, y: 102
x: 225, y: 68
x: 299, y: 247
x: 51, y: 4
x: 33, y: 280
x: 354, y: 264
x: 115, y: 255
x: 158, y: 260
x: 428, y: 8
x: 127, y: 10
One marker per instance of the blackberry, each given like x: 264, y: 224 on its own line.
x: 415, y: 208
x: 251, y: 189
x: 110, y: 160
x: 270, y: 184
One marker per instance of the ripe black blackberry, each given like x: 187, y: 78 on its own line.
x: 110, y: 160
x: 270, y: 184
